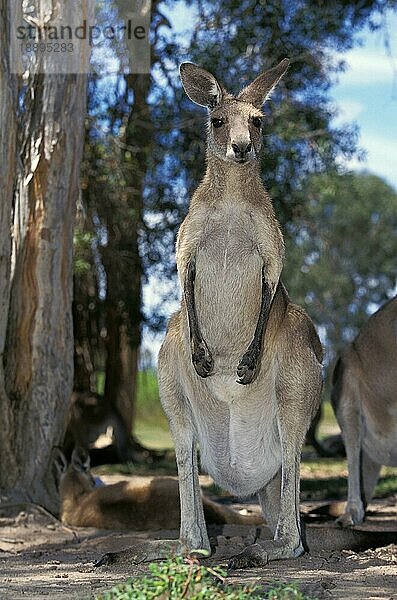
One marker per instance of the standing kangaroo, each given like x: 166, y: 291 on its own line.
x: 127, y: 504
x: 364, y: 398
x: 236, y: 318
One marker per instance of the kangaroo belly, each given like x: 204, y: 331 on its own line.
x: 244, y: 474
x: 238, y: 436
x: 228, y: 286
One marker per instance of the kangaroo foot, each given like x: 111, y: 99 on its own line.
x: 259, y: 554
x: 354, y: 515
x: 129, y: 557
x: 145, y: 552
x: 202, y: 359
x: 194, y: 538
x: 247, y: 367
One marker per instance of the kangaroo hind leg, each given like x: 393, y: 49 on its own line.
x: 193, y: 532
x: 347, y: 406
x: 298, y: 393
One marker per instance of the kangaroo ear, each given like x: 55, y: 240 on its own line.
x: 201, y: 87
x: 81, y: 459
x: 260, y: 89
x: 60, y: 462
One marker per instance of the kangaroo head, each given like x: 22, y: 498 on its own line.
x: 75, y: 478
x: 234, y: 127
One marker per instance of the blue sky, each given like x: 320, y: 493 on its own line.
x: 367, y: 94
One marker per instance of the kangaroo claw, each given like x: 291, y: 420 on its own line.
x: 247, y: 368
x: 202, y: 359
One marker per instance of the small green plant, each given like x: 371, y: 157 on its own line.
x: 175, y: 579
x: 178, y: 579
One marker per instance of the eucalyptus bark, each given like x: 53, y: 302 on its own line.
x: 8, y: 128
x: 39, y: 345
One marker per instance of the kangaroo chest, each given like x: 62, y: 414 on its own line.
x: 228, y: 281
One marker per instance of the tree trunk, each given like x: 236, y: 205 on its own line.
x: 129, y: 369
x: 85, y: 327
x: 7, y: 177
x: 121, y: 349
x: 87, y: 305
x: 139, y: 135
x: 84, y: 370
x: 122, y: 260
x: 39, y: 349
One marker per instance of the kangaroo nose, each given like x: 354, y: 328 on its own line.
x: 241, y: 149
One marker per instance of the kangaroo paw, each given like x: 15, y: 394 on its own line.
x: 259, y: 554
x: 251, y: 556
x: 247, y: 367
x: 202, y: 359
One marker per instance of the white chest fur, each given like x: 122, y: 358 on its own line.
x: 228, y: 282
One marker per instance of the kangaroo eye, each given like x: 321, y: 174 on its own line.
x: 256, y: 121
x: 217, y: 122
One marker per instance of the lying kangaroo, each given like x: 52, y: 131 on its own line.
x: 236, y: 318
x: 364, y: 397
x: 128, y: 505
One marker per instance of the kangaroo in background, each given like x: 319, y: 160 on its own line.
x: 90, y: 416
x: 236, y: 319
x: 127, y: 505
x: 364, y: 398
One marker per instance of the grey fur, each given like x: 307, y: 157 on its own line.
x: 364, y: 398
x: 250, y: 436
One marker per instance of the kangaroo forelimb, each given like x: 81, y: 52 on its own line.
x: 201, y: 357
x: 249, y: 364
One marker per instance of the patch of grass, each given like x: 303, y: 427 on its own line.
x: 151, y: 426
x: 100, y: 382
x: 156, y: 436
x: 334, y: 488
x: 314, y: 468
x: 326, y: 478
x: 323, y: 478
x: 147, y: 396
x: 387, y: 483
x: 178, y: 578
x: 328, y: 424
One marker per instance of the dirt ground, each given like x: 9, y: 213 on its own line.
x: 39, y: 558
